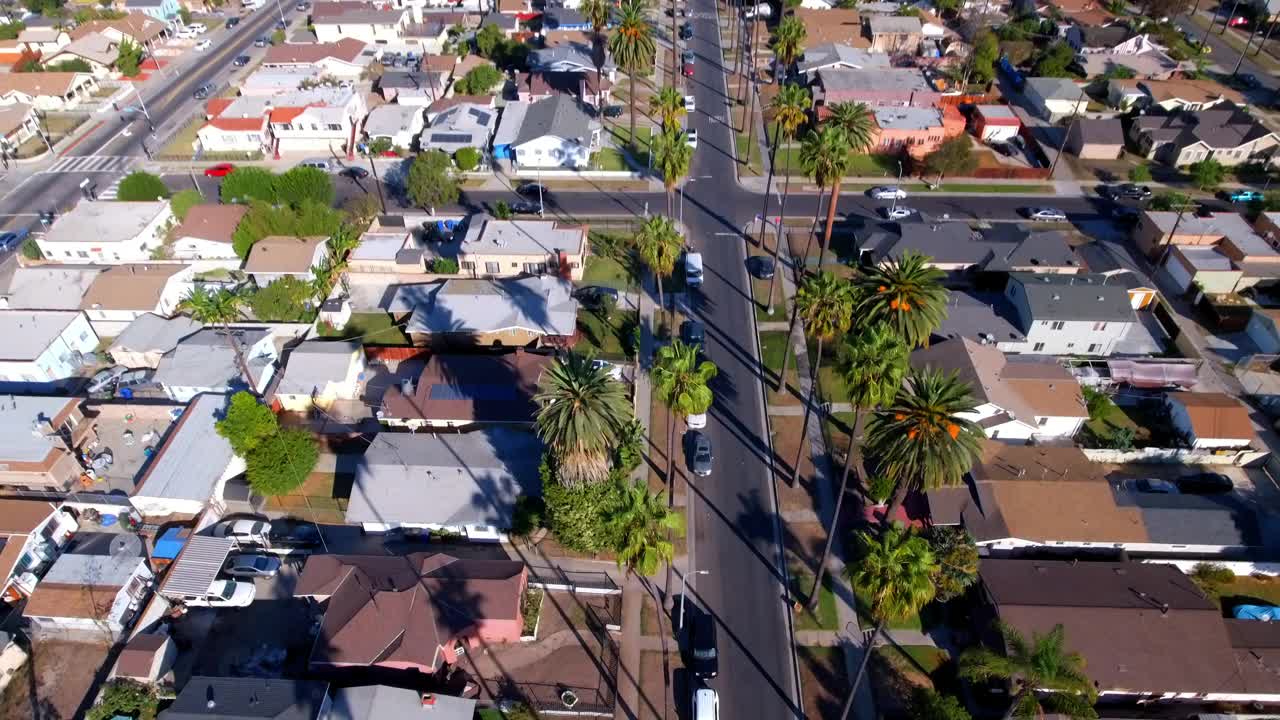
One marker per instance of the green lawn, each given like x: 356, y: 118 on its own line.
x: 1108, y: 419
x: 760, y: 289
x: 923, y: 657
x: 773, y: 344
x: 996, y: 188
x: 609, y: 159
x: 608, y: 272
x: 823, y: 617
x: 611, y: 337
x: 754, y: 166
x: 1246, y: 590
x: 370, y: 329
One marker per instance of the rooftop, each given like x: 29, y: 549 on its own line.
x: 191, y: 460
x: 242, y: 698
x: 379, y: 245
x: 391, y: 120
x: 212, y: 221
x: 470, y: 388
x: 1215, y: 415
x: 22, y: 517
x: 28, y: 425
x: 980, y: 316
x: 903, y: 80
x: 346, y: 49
x: 907, y: 118
x: 487, y: 236
x: 373, y: 702
x: 283, y: 254
x: 1205, y: 258
x: 150, y: 332
x: 105, y: 222
x: 1054, y: 88
x: 840, y: 54
x: 1219, y: 224
x: 130, y: 287
x: 28, y: 333
x: 540, y: 303
x: 97, y: 559
x: 315, y: 363
x: 45, y: 287
x: 893, y: 24
x: 1084, y: 296
x: 204, y: 359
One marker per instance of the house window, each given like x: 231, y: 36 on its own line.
x: 1099, y: 326
x: 1042, y: 421
x: 333, y: 126
x: 492, y: 267
x: 1057, y: 325
x: 535, y: 268
x: 1093, y: 348
x: 515, y: 265
x: 468, y: 265
x: 82, y: 254
x: 1037, y: 347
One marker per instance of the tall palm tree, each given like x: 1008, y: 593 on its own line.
x: 581, y: 414
x: 907, y: 294
x: 220, y: 308
x: 920, y: 440
x: 824, y: 155
x: 1048, y: 677
x: 632, y: 47
x: 872, y: 363
x: 668, y: 105
x: 825, y: 303
x: 597, y: 12
x: 641, y: 523
x: 658, y: 244
x: 788, y: 43
x: 671, y: 158
x: 790, y: 111
x: 895, y: 574
x: 749, y: 85
x: 856, y: 121
x: 680, y: 378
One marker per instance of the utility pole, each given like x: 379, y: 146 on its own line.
x: 1063, y: 147
x: 1240, y: 60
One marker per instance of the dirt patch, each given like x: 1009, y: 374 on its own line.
x: 787, y: 439
x: 657, y: 456
x: 655, y: 692
x: 823, y: 681
x: 63, y: 676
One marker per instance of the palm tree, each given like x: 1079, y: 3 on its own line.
x: 668, y: 105
x: 680, y: 378
x: 372, y: 149
x: 788, y: 43
x: 920, y: 440
x: 671, y: 157
x: 872, y: 363
x: 907, y: 294
x: 895, y: 574
x: 641, y: 523
x: 597, y: 13
x: 825, y: 302
x: 659, y: 244
x: 1048, y: 677
x: 632, y: 47
x: 790, y: 111
x: 220, y: 307
x: 856, y: 121
x: 824, y: 155
x: 581, y: 414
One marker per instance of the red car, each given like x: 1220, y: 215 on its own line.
x: 219, y: 170
x: 688, y: 69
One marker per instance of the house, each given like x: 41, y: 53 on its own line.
x: 47, y: 90
x: 917, y: 131
x: 32, y: 533
x: 319, y: 372
x: 235, y: 125
x: 372, y: 702
x: 535, y: 86
x: 148, y: 338
x: 398, y: 124
x: 96, y: 49
x: 1233, y: 264
x: 510, y: 248
x: 344, y: 59
x: 833, y: 25
x: 265, y: 82
x: 1100, y: 139
x: 334, y: 21
x: 552, y: 133
x: 1085, y: 13
x: 565, y: 18
x: 107, y: 233
x: 465, y: 483
x: 1098, y: 38
x: 837, y: 56
x: 44, y: 460
x: 94, y: 588
x: 1169, y: 95
x: 461, y: 125
x: 538, y: 310
x: 981, y: 316
x: 190, y: 467
x: 1144, y: 59
x: 1055, y: 98
x: 43, y: 349
x: 159, y: 9
x: 1210, y: 420
x: 242, y: 698
x: 510, y: 25
x: 395, y: 612
x: 995, y: 123
x: 569, y: 58
x: 963, y: 252
x: 430, y: 36
x: 1131, y: 623
x: 1157, y: 229
x: 1015, y: 399
x: 907, y: 87
x: 204, y: 362
x: 206, y: 233
x: 1224, y: 132
x: 413, y: 88
x: 146, y: 658
x: 463, y: 391
x: 1267, y: 225
x: 124, y: 293
x: 895, y: 34
x: 1081, y: 314
x: 324, y: 119
x: 277, y: 256
x: 135, y: 27
x: 44, y: 287
x: 384, y: 251
x: 18, y: 124
x: 43, y: 41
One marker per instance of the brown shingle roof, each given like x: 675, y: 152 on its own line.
x: 211, y: 221
x: 471, y: 388
x: 63, y: 600
x: 346, y: 49
x: 282, y: 254
x: 138, y: 656
x: 56, y: 84
x: 24, y: 516
x: 1215, y: 415
x: 834, y: 25
x: 129, y: 287
x: 134, y: 24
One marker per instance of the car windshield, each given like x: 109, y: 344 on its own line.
x: 261, y: 563
x: 228, y: 589
x: 705, y: 653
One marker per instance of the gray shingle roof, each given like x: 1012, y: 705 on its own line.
x: 1054, y: 88
x: 189, y: 462
x: 314, y: 364
x: 245, y: 698
x: 540, y: 303
x: 18, y: 415
x: 375, y: 702
x: 836, y: 53
x: 1074, y: 297
x: 27, y: 333
x: 206, y: 360
x: 559, y: 115
x: 150, y: 332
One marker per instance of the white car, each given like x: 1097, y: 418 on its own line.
x: 706, y: 704
x: 697, y: 421
x: 691, y: 138
x: 688, y: 104
x: 614, y: 371
x: 187, y: 33
x: 693, y: 269
x: 888, y: 192
x: 224, y: 593
x: 899, y: 212
x: 1046, y: 214
x: 251, y: 531
x: 203, y: 45
x: 198, y: 28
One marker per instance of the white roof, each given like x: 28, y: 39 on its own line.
x: 28, y: 333
x: 197, y: 566
x: 21, y: 416
x: 105, y: 222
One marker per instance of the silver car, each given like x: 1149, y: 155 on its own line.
x: 700, y: 456
x: 252, y: 566
x: 1046, y: 214
x: 888, y: 192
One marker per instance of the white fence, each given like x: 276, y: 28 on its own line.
x: 1175, y: 456
x: 1240, y: 568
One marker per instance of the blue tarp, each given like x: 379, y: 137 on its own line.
x: 1265, y: 613
x: 169, y: 544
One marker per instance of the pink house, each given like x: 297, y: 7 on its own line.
x: 919, y: 131
x: 410, y: 612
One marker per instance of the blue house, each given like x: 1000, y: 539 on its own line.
x: 162, y: 10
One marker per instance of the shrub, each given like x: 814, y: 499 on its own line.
x: 1140, y: 173
x: 282, y: 462
x: 880, y: 488
x: 303, y: 184
x: 444, y: 266
x: 528, y: 515
x: 578, y: 517
x: 182, y: 202
x: 467, y: 159
x: 284, y: 300
x: 31, y: 250
x: 125, y: 698
x: 140, y: 186
x: 1211, y: 577
x: 248, y: 183
x: 247, y: 423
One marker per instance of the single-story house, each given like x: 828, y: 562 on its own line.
x: 460, y: 125
x: 345, y: 59
x: 277, y: 256
x: 520, y: 312
x: 511, y: 248
x: 1093, y: 139
x: 43, y: 349
x: 1210, y: 420
x: 18, y: 124
x: 204, y: 362
x: 107, y: 233
x: 995, y: 123
x: 124, y: 293
x: 319, y: 372
x: 461, y: 391
x: 93, y: 589
x: 398, y: 124
x: 1055, y: 98
x: 206, y: 232
x: 552, y: 133
x: 1169, y: 95
x: 146, y: 658
x: 413, y: 87
x: 241, y: 698
x: 191, y: 466
x: 1225, y: 132
x: 96, y: 49
x: 47, y: 90
x: 842, y: 57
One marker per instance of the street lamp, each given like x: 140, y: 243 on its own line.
x: 867, y: 638
x: 896, y: 188
x: 683, y: 580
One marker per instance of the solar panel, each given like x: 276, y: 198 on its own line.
x: 481, y: 116
x: 474, y: 392
x: 450, y: 137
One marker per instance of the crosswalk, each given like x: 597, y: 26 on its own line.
x: 92, y: 164
x: 112, y: 191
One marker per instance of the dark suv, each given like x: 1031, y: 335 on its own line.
x: 704, y: 659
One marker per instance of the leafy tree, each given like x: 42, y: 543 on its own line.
x: 247, y: 424
x: 947, y: 6
x: 907, y: 294
x: 129, y: 60
x: 488, y: 39
x: 957, y: 557
x: 581, y: 415
x: 1055, y: 60
x: 1047, y: 678
x: 579, y: 515
x: 277, y: 37
x: 467, y: 158
x: 633, y: 48
x: 1212, y: 577
x: 361, y: 210
x: 11, y: 29
x: 1157, y: 9
x: 444, y: 266
x: 31, y: 249
x: 185, y: 15
x: 480, y: 80
x: 642, y: 525
x: 951, y: 157
x: 986, y: 51
x: 1169, y: 200
x: 502, y: 210
x: 248, y: 183
x: 282, y: 462
x: 303, y: 184
x: 929, y: 704
x: 431, y: 181
x: 1207, y: 173
x: 182, y: 202
x: 283, y: 300
x: 72, y: 65
x: 140, y: 186
x: 48, y: 8
x: 125, y: 698
x: 1140, y: 173
x: 680, y: 379
x: 263, y: 219
x: 1019, y: 52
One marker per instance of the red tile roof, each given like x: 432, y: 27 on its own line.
x: 286, y: 114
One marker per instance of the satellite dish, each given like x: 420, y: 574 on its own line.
x: 126, y: 546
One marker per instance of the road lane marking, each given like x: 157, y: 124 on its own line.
x: 90, y: 164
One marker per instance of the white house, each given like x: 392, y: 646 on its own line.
x: 346, y: 59
x: 207, y: 232
x: 235, y: 125
x: 93, y: 588
x: 47, y: 90
x: 43, y: 347
x: 107, y: 233
x: 399, y: 124
x: 1210, y: 420
x: 1055, y: 98
x: 204, y: 362
x: 191, y: 467
x: 322, y: 119
x: 33, y: 532
x: 145, y: 341
x: 461, y: 125
x: 320, y: 372
x: 125, y: 293
x: 334, y: 21
x: 265, y: 82
x: 569, y: 58
x: 551, y: 133
x: 1079, y: 314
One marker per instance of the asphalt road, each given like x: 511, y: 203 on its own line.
x: 1225, y: 57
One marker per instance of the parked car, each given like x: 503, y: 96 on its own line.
x: 691, y: 138
x: 1129, y: 191
x: 203, y: 45
x: 219, y: 170
x: 687, y: 70
x: 888, y: 192
x: 700, y: 456
x: 141, y: 376
x: 1205, y: 483
x: 254, y: 565
x: 613, y: 371
x: 696, y: 421
x: 290, y: 533
x: 706, y: 704
x: 10, y: 240
x: 688, y: 104
x: 317, y: 163
x: 1247, y: 81
x: 232, y: 22
x: 224, y: 593
x: 240, y: 61
x: 282, y: 26
x: 1150, y: 485
x: 354, y: 173
x: 103, y: 379
x: 703, y: 656
x: 613, y: 111
x: 1046, y: 214
x: 1244, y: 196
x: 198, y: 28
x: 532, y: 189
x: 262, y: 41
x: 525, y: 207
x: 686, y: 31
x: 594, y: 294
x: 693, y: 269
x: 761, y: 266
x: 204, y: 91
x: 688, y: 57
x: 898, y: 212
x: 1003, y: 148
x: 692, y: 332
x: 248, y: 531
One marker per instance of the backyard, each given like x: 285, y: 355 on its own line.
x: 369, y: 328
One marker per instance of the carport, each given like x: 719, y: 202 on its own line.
x: 197, y: 566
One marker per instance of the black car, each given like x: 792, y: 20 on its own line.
x: 760, y: 266
x: 280, y: 25
x: 240, y: 61
x: 525, y: 207
x: 1003, y: 148
x: 1205, y: 483
x: 354, y: 173
x: 1247, y: 80
x: 203, y: 91
x: 232, y: 22
x: 686, y: 31
x: 287, y: 533
x: 692, y: 332
x: 532, y: 189
x: 593, y: 294
x: 1129, y: 191
x: 613, y: 111
x: 703, y: 656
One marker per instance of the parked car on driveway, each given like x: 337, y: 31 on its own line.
x: 700, y: 456
x: 254, y: 565
x: 224, y: 593
x: 1244, y: 196
x: 219, y: 170
x: 248, y: 531
x: 290, y: 533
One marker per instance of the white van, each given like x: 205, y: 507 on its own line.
x: 706, y: 705
x: 693, y: 269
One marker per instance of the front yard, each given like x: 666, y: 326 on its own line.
x: 610, y: 332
